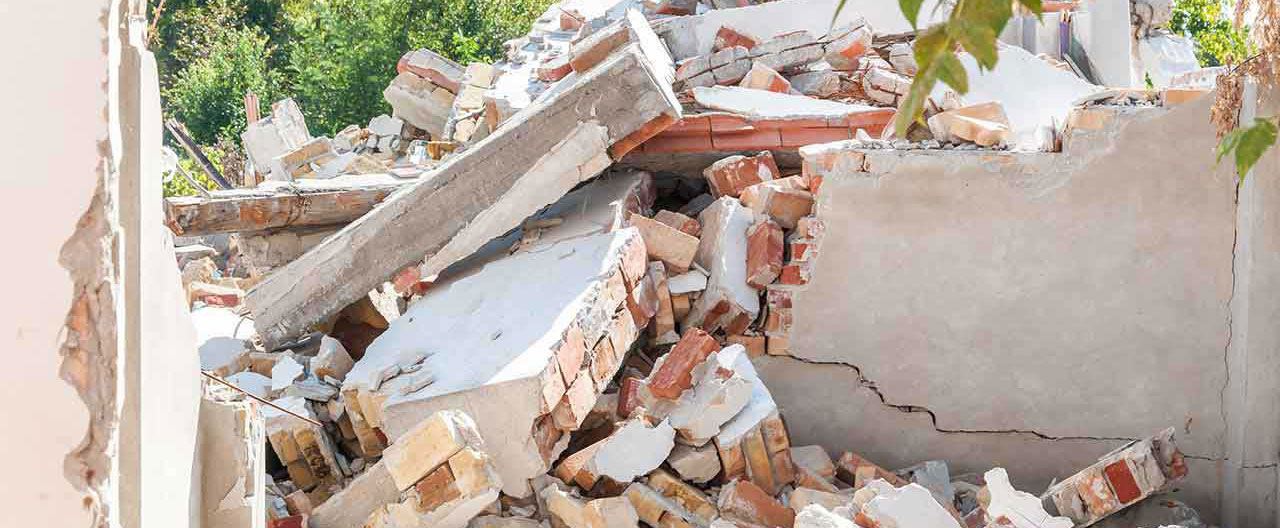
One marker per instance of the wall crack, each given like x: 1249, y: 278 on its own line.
x: 933, y: 417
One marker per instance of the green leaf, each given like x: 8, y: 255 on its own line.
x: 977, y: 39
x: 951, y: 71
x: 836, y: 13
x: 1249, y: 144
x: 912, y: 108
x: 930, y: 44
x: 1033, y: 5
x: 911, y: 10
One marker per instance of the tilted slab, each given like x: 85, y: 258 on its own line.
x: 531, y: 161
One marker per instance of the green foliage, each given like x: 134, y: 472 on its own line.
x: 333, y: 56
x: 176, y: 185
x: 1248, y: 144
x: 973, y: 26
x: 208, y: 96
x: 1208, y: 24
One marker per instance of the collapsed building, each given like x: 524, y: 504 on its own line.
x: 669, y: 264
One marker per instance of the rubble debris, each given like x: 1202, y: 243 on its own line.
x: 729, y: 176
x: 569, y: 146
x: 984, y: 124
x: 1122, y: 477
x: 597, y: 324
x: 1011, y: 507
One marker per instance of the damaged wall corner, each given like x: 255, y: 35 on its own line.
x: 60, y: 319
x: 90, y: 229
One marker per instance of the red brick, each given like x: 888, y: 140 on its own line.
x: 628, y: 395
x: 597, y: 47
x: 683, y: 223
x: 640, y: 136
x: 570, y: 19
x: 292, y: 521
x: 553, y: 69
x: 753, y: 140
x: 762, y: 77
x: 570, y: 353
x: 675, y: 373
x: 793, y: 274
x: 1121, y: 478
x: 729, y: 123
x: 729, y: 176
x: 764, y: 253
x: 747, y: 502
x: 799, y: 137
x: 728, y: 37
x: 802, y: 122
x: 692, y: 125
x: 664, y: 143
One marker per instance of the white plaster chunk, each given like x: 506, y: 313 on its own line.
x: 695, y: 464
x: 633, y: 450
x: 718, y: 394
x: 1023, y: 509
x: 221, y: 337
x: 761, y: 104
x: 816, y: 516
x: 911, y: 506
x: 722, y: 251
x: 759, y: 407
x: 693, y: 280
x: 332, y: 360
x: 252, y: 383
x: 285, y: 372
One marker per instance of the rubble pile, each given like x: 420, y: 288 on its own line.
x: 487, y: 309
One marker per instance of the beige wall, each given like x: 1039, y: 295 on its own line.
x: 1045, y: 307
x: 54, y: 113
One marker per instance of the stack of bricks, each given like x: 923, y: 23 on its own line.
x: 724, y: 132
x: 423, y: 91
x: 307, y: 452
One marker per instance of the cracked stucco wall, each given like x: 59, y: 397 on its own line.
x: 101, y: 374
x: 59, y: 274
x: 1036, y: 310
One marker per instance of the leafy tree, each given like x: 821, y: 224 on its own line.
x: 1206, y: 22
x: 208, y: 96
x: 344, y: 51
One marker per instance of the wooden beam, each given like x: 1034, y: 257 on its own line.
x: 311, y: 203
x: 529, y: 162
x: 179, y: 132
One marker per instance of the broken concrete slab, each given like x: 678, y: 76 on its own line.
x: 1022, y: 509
x: 560, y: 142
x: 909, y: 506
